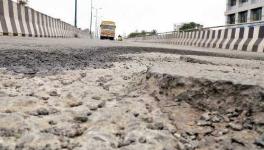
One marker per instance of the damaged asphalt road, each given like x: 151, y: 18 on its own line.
x: 68, y: 95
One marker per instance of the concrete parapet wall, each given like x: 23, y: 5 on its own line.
x: 18, y: 20
x: 242, y: 39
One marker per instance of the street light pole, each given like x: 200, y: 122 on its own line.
x: 75, y: 20
x: 96, y: 22
x: 91, y: 21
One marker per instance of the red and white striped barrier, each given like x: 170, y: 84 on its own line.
x: 250, y: 38
x: 18, y: 20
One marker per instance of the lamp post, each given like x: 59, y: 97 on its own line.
x: 96, y: 22
x: 75, y: 19
x: 91, y: 21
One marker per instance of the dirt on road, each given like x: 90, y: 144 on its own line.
x: 129, y: 98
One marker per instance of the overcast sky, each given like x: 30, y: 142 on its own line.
x: 131, y: 15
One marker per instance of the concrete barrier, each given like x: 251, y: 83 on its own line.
x: 18, y: 20
x: 250, y: 38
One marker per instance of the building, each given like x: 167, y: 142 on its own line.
x: 244, y: 11
x: 177, y: 26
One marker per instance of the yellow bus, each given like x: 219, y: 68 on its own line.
x: 107, y: 30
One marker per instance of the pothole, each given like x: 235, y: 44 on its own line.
x: 210, y: 114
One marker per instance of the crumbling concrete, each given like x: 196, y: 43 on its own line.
x: 128, y: 98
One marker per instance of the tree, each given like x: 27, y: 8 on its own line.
x: 22, y: 2
x: 134, y: 34
x: 190, y: 26
x: 154, y: 32
x: 142, y: 33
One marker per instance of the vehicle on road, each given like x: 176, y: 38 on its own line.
x: 107, y: 30
x: 120, y: 38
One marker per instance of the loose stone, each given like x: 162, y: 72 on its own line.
x: 235, y: 127
x: 96, y: 97
x: 142, y: 140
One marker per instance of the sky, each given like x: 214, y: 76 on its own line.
x: 132, y: 15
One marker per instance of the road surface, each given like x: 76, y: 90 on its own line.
x: 86, y: 94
